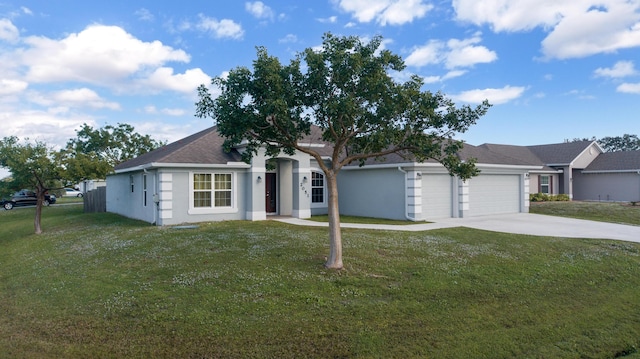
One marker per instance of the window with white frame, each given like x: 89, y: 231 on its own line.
x: 212, y: 190
x: 144, y: 190
x: 545, y: 184
x: 131, y: 182
x: 317, y: 187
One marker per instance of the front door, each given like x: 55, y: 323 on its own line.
x: 270, y: 192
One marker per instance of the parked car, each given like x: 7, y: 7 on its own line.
x: 70, y: 192
x: 26, y: 198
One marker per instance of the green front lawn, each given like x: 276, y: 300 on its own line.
x: 363, y: 220
x: 101, y: 286
x: 596, y: 211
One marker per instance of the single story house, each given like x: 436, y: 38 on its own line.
x: 580, y: 169
x: 194, y: 180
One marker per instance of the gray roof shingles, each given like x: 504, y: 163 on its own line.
x: 616, y: 161
x: 205, y: 147
x: 199, y: 148
x: 560, y: 153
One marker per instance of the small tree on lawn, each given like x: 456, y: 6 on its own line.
x: 346, y: 90
x: 32, y: 165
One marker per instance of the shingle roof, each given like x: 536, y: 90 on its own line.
x: 205, y: 147
x: 500, y: 154
x: 202, y: 147
x: 616, y: 161
x: 559, y: 153
x: 480, y: 153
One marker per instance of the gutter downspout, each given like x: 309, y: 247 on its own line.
x: 406, y: 205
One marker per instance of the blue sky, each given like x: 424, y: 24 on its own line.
x: 554, y: 69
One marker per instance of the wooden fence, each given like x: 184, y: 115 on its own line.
x: 96, y: 200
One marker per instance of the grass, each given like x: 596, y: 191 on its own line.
x: 101, y: 286
x: 596, y: 211
x: 65, y: 200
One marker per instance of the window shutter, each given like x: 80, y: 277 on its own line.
x: 539, y: 183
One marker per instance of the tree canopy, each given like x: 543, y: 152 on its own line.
x: 94, y: 152
x: 32, y: 166
x: 347, y: 90
x: 625, y: 142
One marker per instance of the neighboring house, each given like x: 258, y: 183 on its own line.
x: 579, y: 169
x: 558, y: 161
x: 90, y: 185
x: 612, y: 176
x: 194, y: 180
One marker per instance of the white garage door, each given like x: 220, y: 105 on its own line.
x: 494, y: 194
x: 436, y: 196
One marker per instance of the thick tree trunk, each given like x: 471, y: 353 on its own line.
x: 334, y: 261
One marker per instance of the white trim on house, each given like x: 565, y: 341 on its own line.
x: 214, y: 210
x: 229, y: 165
x: 612, y: 171
x: 324, y: 202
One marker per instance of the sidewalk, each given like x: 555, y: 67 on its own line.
x: 518, y: 223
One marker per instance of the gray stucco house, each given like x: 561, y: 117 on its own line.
x: 194, y: 180
x: 579, y: 169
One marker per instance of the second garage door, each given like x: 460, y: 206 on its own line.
x: 494, y: 194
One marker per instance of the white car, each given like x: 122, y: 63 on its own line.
x: 70, y: 192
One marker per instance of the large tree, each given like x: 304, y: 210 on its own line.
x: 95, y: 151
x: 32, y: 166
x: 347, y: 90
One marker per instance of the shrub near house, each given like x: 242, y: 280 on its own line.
x: 544, y: 197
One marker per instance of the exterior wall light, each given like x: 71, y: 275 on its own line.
x: 259, y: 179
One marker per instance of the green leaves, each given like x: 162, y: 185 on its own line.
x: 32, y: 165
x: 94, y: 152
x: 347, y: 90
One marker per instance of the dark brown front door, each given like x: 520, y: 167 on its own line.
x: 271, y: 195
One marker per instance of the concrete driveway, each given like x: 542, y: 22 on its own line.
x: 519, y: 223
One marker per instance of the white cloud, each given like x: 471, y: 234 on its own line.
x: 54, y: 126
x: 429, y: 54
x: 290, y: 38
x: 595, y: 31
x: 164, y: 78
x: 224, y: 28
x: 328, y: 20
x: 259, y: 10
x: 629, y: 88
x: 495, y: 96
x: 619, y: 70
x: 392, y: 12
x: 12, y: 87
x: 577, y: 28
x: 8, y: 31
x: 144, y: 14
x: 166, y: 111
x: 99, y: 54
x: 465, y: 53
x: 454, y: 54
x: 82, y: 97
